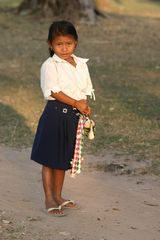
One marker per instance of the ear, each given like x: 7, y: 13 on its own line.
x: 49, y: 44
x: 76, y: 43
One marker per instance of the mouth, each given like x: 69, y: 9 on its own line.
x: 65, y: 54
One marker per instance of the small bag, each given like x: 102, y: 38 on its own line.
x: 89, y: 128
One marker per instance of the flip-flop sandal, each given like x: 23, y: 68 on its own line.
x: 71, y: 205
x: 57, y: 213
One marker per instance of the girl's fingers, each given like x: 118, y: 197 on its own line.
x: 87, y: 111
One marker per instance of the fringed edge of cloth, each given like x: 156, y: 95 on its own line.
x: 78, y: 158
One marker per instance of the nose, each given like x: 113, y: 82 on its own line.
x: 64, y: 47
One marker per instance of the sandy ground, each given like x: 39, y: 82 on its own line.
x: 113, y: 207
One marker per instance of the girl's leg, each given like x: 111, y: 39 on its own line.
x: 58, y: 181
x: 53, y: 180
x: 48, y: 180
x: 57, y: 188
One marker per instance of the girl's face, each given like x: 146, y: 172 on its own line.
x: 63, y: 46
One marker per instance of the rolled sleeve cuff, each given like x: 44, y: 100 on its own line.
x: 90, y: 93
x: 47, y: 92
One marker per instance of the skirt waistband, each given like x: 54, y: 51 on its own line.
x: 64, y: 108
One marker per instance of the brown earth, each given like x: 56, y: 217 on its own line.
x: 113, y: 206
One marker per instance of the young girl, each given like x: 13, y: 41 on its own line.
x: 65, y: 83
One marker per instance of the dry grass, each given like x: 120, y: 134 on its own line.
x: 148, y: 8
x: 124, y: 65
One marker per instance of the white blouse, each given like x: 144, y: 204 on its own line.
x: 59, y: 75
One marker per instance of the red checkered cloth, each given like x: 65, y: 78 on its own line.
x: 77, y: 158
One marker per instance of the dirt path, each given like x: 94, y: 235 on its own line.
x: 112, y: 207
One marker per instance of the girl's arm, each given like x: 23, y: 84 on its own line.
x: 50, y: 87
x: 81, y: 105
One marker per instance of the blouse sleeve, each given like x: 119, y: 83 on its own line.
x: 49, y: 79
x: 89, y: 90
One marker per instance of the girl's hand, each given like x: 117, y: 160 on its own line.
x: 88, y: 111
x: 82, y: 106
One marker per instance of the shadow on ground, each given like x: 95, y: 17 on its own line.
x: 13, y: 128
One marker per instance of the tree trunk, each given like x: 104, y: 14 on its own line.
x: 88, y: 10
x: 66, y: 9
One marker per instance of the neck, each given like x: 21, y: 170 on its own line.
x: 71, y: 61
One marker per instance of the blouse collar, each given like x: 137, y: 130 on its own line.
x: 77, y: 59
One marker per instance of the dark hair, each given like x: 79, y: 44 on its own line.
x: 61, y: 28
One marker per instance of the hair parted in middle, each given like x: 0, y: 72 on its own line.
x: 58, y: 28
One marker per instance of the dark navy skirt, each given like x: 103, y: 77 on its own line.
x: 55, y: 138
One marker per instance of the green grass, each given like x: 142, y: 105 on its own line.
x: 125, y: 69
x: 9, y: 3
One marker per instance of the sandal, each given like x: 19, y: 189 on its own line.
x: 56, y: 213
x: 69, y: 204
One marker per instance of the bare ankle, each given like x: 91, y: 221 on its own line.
x: 57, y: 197
x: 50, y: 201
